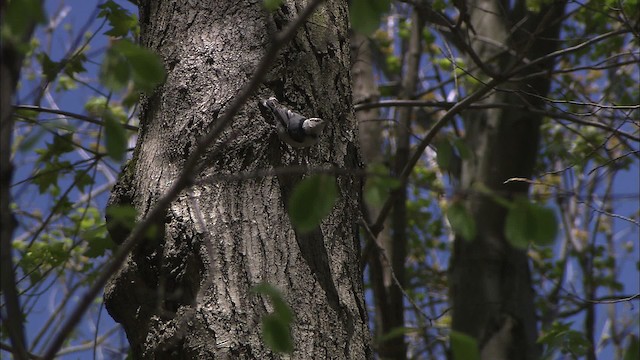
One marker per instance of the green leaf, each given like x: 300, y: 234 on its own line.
x: 279, y: 304
x: 276, y: 330
x: 98, y: 242
x: 311, y: 201
x: 276, y: 334
x: 394, y: 64
x: 272, y: 5
x: 75, y: 65
x: 517, y: 225
x: 148, y: 70
x: 125, y: 61
x: 633, y: 350
x: 365, y: 14
x: 461, y: 221
x: 123, y: 215
x: 464, y: 347
x: 463, y: 148
x: 115, y: 71
x: 62, y: 144
x: 120, y: 19
x: 115, y: 136
x: 50, y: 68
x: 396, y: 332
x: 561, y: 336
x: 445, y: 154
x: 527, y: 222
x: 379, y: 184
x: 82, y: 179
x: 18, y: 16
x: 65, y: 83
x: 546, y: 225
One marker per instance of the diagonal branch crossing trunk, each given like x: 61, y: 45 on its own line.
x: 186, y: 293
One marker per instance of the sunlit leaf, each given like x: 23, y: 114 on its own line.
x: 394, y: 64
x: 120, y: 19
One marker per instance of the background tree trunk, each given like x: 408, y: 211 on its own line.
x: 186, y: 293
x: 387, y: 298
x: 490, y: 283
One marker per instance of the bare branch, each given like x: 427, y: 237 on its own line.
x: 404, y: 176
x: 69, y: 114
x: 449, y: 105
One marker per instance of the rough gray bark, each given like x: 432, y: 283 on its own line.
x: 490, y: 284
x: 185, y: 293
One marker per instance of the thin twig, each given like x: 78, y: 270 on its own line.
x: 383, y: 254
x: 449, y: 105
x: 69, y: 114
x: 617, y: 216
x: 404, y: 176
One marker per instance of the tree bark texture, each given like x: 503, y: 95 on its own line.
x: 490, y: 284
x: 186, y: 292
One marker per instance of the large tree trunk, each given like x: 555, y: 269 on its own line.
x: 187, y: 294
x: 491, y: 294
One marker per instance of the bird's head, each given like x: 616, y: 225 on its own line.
x: 314, y: 126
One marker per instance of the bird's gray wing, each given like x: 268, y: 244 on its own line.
x: 296, y: 132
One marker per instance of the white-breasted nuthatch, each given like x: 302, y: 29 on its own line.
x: 293, y: 128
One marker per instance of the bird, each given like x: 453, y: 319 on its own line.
x: 293, y: 128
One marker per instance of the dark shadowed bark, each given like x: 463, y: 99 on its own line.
x: 12, y: 54
x: 186, y: 292
x: 491, y: 294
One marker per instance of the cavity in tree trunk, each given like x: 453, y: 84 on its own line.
x: 186, y: 293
